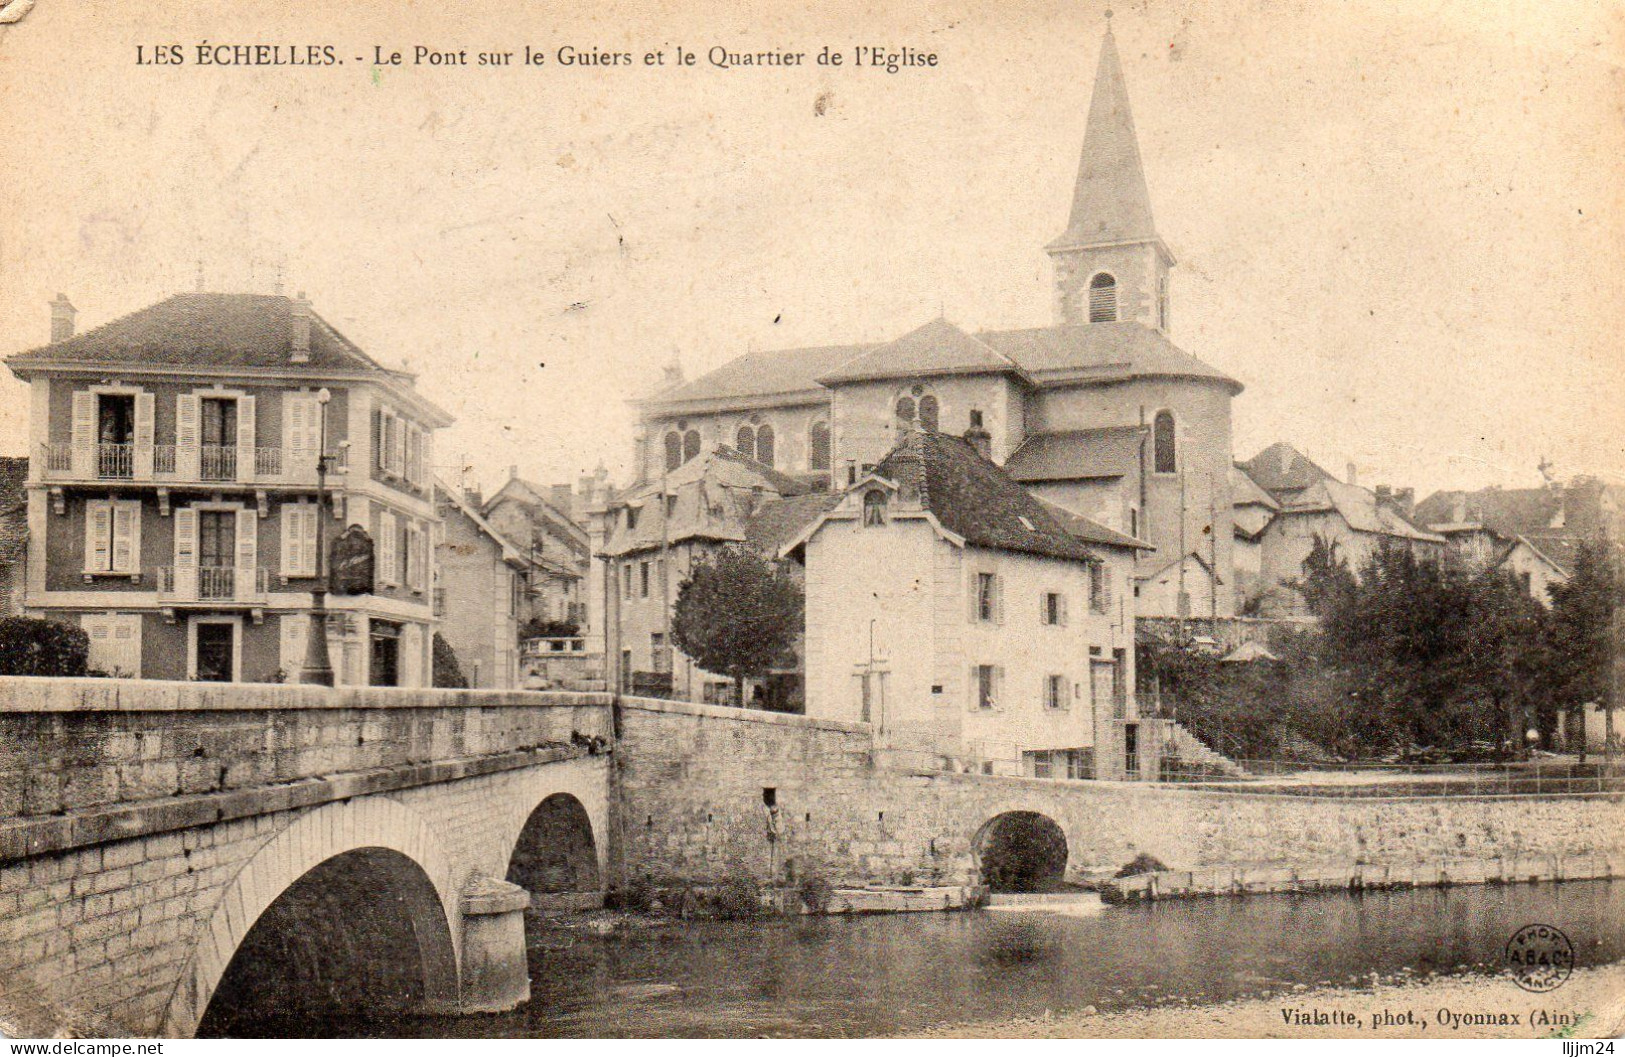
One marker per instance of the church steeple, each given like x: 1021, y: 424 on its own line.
x: 1110, y: 263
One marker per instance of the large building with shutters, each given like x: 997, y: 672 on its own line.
x: 1099, y: 412
x: 172, y: 491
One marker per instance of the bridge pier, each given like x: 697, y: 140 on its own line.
x: 495, y: 977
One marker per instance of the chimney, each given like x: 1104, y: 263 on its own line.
x: 1385, y: 495
x: 472, y: 496
x: 513, y: 471
x: 1351, y: 479
x: 1459, y: 508
x: 62, y: 315
x: 1405, y: 499
x: 1286, y: 460
x: 981, y: 440
x: 301, y: 329
x: 561, y: 496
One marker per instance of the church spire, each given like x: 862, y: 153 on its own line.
x: 1110, y: 202
x: 1110, y: 264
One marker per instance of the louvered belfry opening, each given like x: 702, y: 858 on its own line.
x: 1103, y: 299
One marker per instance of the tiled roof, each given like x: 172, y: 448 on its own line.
x: 449, y: 498
x: 1505, y: 511
x: 1282, y: 468
x: 713, y: 497
x: 1081, y: 353
x: 974, y: 499
x: 1359, y: 507
x: 1076, y: 455
x: 536, y: 505
x: 205, y: 330
x: 937, y: 348
x: 1110, y: 202
x: 761, y: 374
x: 1244, y: 490
x: 1124, y: 349
x: 778, y: 521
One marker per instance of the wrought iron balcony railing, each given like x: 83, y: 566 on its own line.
x: 182, y: 464
x: 213, y: 584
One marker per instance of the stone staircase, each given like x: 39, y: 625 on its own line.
x: 1194, y: 754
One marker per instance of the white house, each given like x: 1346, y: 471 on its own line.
x: 975, y: 625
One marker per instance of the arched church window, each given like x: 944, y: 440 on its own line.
x: 764, y: 444
x: 874, y: 508
x: 745, y: 442
x: 818, y: 446
x: 928, y: 413
x: 691, y: 444
x: 674, y: 450
x: 905, y: 411
x: 1103, y: 299
x: 1164, y: 444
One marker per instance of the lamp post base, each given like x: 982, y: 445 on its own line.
x: 318, y: 669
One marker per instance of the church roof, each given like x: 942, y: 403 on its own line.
x: 763, y: 374
x: 975, y: 500
x: 1110, y: 202
x: 938, y: 348
x: 1076, y: 455
x: 1103, y: 351
x: 1283, y: 468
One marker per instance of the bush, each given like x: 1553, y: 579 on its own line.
x: 815, y: 894
x: 42, y: 647
x: 447, y: 672
x: 1142, y: 863
x: 537, y: 628
x: 738, y: 898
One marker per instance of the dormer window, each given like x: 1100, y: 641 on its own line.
x: 874, y: 508
x: 1103, y: 298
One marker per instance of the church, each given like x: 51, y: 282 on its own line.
x: 1099, y: 413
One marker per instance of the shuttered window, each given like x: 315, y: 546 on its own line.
x: 299, y: 539
x: 1103, y: 299
x: 115, y: 643
x: 113, y: 536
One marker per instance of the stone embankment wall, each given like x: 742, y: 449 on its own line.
x: 692, y: 782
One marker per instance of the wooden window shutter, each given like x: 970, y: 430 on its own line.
x: 1105, y: 588
x: 98, y: 536
x: 186, y: 436
x: 998, y: 686
x: 83, y: 439
x: 974, y: 592
x: 1061, y: 601
x: 248, y: 540
x: 378, y: 438
x: 126, y: 537
x: 246, y: 439
x: 186, y: 552
x: 998, y: 598
x: 975, y: 684
x: 145, y: 413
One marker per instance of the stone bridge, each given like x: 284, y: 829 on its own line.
x: 176, y: 857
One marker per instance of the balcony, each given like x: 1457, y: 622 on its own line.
x: 213, y: 586
x: 188, y: 464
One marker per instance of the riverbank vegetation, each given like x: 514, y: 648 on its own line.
x: 1409, y: 659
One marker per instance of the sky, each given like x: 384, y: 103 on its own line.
x: 1398, y: 224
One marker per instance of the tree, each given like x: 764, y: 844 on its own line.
x: 29, y: 646
x: 1579, y: 642
x: 737, y: 615
x: 447, y: 672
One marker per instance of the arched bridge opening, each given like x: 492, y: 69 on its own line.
x: 1021, y: 851
x: 362, y: 934
x: 556, y: 856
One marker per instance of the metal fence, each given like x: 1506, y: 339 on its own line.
x: 1542, y: 777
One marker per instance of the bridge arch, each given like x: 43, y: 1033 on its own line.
x: 368, y: 842
x: 1021, y: 848
x: 556, y: 850
x: 561, y: 789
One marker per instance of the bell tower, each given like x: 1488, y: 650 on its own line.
x: 1110, y: 263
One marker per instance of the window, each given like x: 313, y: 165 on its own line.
x: 987, y: 605
x: 626, y: 580
x: 905, y: 411
x: 1041, y: 765
x: 691, y: 444
x: 986, y: 686
x: 113, y: 536
x: 1100, y: 588
x: 643, y: 579
x: 298, y: 539
x: 764, y: 445
x: 115, y: 435
x: 218, y: 424
x: 976, y: 418
x: 1164, y: 443
x: 1054, y: 608
x: 388, y: 547
x: 631, y: 518
x: 1134, y: 521
x: 818, y: 446
x: 874, y: 508
x: 674, y: 450
x: 1162, y: 302
x: 928, y: 413
x: 115, y: 642
x: 745, y: 442
x: 1103, y: 299
x: 1055, y: 692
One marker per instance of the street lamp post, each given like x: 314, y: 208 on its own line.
x: 318, y: 669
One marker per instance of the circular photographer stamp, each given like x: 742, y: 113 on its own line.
x: 1540, y: 957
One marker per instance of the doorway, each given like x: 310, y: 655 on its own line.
x: 1131, y: 749
x: 385, y: 669
x: 216, y: 656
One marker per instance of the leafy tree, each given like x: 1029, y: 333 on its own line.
x: 1579, y: 642
x: 737, y: 615
x: 1326, y: 576
x: 447, y: 672
x: 29, y: 646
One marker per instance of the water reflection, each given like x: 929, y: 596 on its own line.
x: 900, y: 973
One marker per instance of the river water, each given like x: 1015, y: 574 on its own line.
x: 904, y: 972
